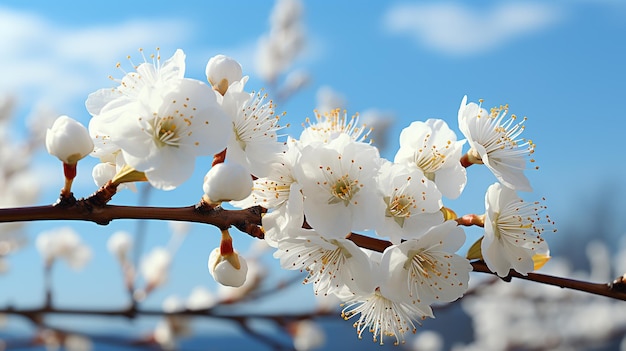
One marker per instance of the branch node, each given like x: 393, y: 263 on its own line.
x: 102, y: 196
x: 65, y: 200
x: 204, y: 207
x: 618, y: 284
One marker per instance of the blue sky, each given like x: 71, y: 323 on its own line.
x: 560, y: 63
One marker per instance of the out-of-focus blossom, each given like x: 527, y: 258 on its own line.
x: 427, y: 340
x: 7, y: 104
x: 329, y: 100
x: 307, y: 335
x: 172, y: 327
x: 155, y: 266
x: 119, y: 244
x: 179, y: 325
x: 74, y: 342
x: 277, y: 50
x: 379, y: 122
x: 63, y: 243
x: 200, y: 298
x: 179, y: 228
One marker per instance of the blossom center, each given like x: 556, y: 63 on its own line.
x: 343, y: 190
x: 333, y: 256
x: 382, y: 317
x: 421, y: 264
x: 399, y: 207
x: 165, y: 131
x: 430, y: 158
x: 256, y: 122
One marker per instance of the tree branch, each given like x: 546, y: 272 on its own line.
x: 249, y: 221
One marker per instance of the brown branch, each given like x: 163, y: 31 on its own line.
x: 248, y: 221
x: 615, y: 291
x: 607, y: 290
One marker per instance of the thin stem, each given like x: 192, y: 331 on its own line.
x: 607, y: 290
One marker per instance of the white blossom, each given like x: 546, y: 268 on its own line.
x: 331, y: 263
x: 149, y: 75
x: 163, y: 135
x: 428, y: 268
x: 412, y: 202
x: 432, y: 147
x: 496, y: 143
x: 512, y: 231
x: 339, y: 188
x: 160, y: 121
x: 381, y: 306
x: 253, y: 142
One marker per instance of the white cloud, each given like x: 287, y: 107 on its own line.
x: 455, y: 29
x: 57, y: 64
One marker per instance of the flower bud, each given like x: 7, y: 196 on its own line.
x: 68, y: 140
x: 229, y: 270
x: 222, y: 71
x: 227, y: 182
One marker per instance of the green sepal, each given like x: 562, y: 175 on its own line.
x: 474, y: 252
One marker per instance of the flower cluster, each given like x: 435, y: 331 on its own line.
x: 331, y: 182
